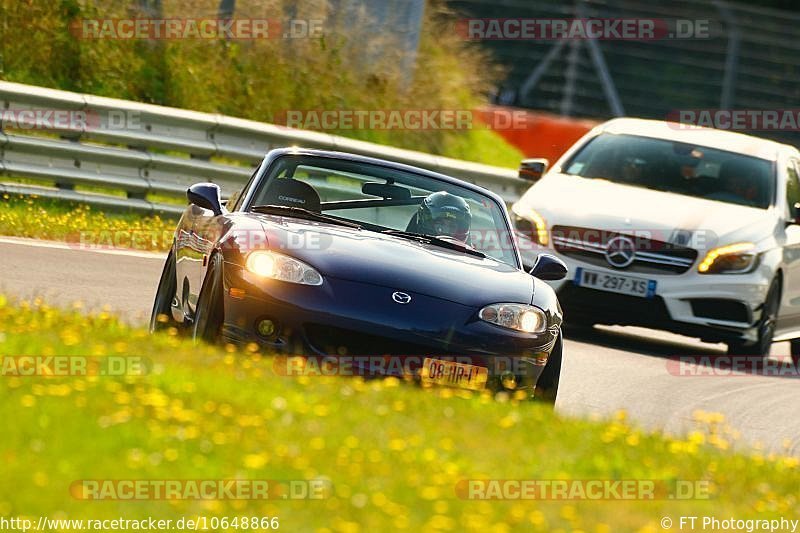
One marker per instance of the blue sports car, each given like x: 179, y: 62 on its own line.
x: 333, y: 255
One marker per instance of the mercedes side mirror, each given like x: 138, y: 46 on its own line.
x: 205, y: 195
x: 532, y: 169
x: 794, y: 216
x: 549, y: 268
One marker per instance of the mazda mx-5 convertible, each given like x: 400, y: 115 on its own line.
x: 327, y: 254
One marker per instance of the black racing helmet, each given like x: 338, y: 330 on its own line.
x: 442, y: 213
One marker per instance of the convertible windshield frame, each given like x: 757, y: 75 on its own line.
x: 400, y: 174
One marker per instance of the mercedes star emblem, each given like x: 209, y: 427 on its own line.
x: 620, y: 252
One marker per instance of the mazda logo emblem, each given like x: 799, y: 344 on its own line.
x: 401, y: 297
x: 620, y: 252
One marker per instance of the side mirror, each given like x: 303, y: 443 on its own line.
x: 205, y: 195
x: 532, y: 169
x: 549, y: 268
x: 794, y: 215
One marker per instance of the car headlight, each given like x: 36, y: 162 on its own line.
x: 736, y: 258
x: 538, y: 229
x: 521, y: 317
x: 282, y: 267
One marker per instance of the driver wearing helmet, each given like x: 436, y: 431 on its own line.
x: 443, y: 214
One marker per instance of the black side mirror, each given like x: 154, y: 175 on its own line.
x: 533, y: 169
x: 205, y: 195
x: 549, y: 268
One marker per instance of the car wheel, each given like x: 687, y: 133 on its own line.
x: 795, y: 351
x: 161, y: 316
x: 210, y: 311
x: 547, y: 386
x: 766, y: 326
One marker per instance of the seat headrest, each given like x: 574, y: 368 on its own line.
x: 293, y: 193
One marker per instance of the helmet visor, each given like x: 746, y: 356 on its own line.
x: 452, y: 224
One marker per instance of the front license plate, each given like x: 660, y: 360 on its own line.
x: 453, y: 374
x: 604, y: 281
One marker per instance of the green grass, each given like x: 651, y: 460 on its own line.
x: 352, y: 67
x: 63, y: 221
x: 392, y: 451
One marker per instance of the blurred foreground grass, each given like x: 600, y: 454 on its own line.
x: 63, y: 221
x: 392, y: 451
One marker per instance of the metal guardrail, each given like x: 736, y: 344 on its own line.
x: 141, y: 149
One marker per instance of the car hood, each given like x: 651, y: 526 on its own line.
x: 599, y: 204
x: 408, y: 266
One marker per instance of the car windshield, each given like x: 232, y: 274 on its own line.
x: 383, y: 199
x: 676, y: 167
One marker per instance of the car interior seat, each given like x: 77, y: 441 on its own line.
x: 734, y: 170
x: 293, y: 193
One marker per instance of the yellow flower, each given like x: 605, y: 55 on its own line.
x: 28, y: 401
x: 255, y: 461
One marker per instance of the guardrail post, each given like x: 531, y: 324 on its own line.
x: 65, y: 186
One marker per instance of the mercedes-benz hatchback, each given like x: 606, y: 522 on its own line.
x: 673, y: 227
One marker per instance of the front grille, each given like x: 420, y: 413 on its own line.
x: 720, y: 309
x: 611, y: 308
x: 649, y: 256
x: 339, y: 341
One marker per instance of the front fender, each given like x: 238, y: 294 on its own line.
x: 544, y: 297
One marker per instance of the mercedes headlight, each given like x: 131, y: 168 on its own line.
x: 736, y: 258
x: 532, y: 224
x: 521, y: 317
x: 282, y: 267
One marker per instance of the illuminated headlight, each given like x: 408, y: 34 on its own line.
x: 525, y: 318
x: 282, y: 267
x: 538, y: 225
x: 736, y: 258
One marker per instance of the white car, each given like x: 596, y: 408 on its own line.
x: 679, y: 228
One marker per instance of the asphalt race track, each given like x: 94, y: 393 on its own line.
x: 605, y: 369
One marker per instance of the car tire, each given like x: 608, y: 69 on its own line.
x: 766, y: 326
x: 795, y: 352
x: 210, y: 312
x: 547, y: 385
x: 162, y: 304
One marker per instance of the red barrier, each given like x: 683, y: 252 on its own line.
x: 544, y: 135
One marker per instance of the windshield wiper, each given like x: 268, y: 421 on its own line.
x: 300, y: 212
x: 438, y: 241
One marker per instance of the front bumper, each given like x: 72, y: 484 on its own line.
x: 355, y: 320
x: 714, y: 308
